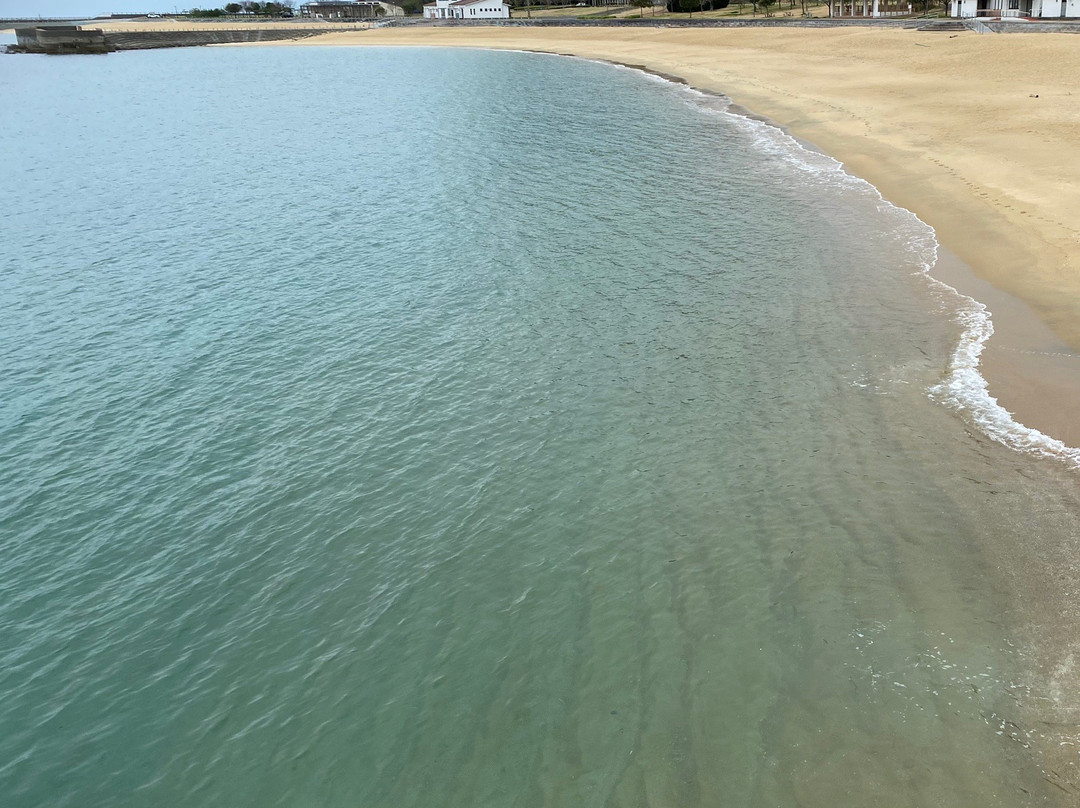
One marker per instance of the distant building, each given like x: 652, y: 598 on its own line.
x: 1015, y: 8
x: 346, y: 10
x: 467, y: 10
x: 871, y: 8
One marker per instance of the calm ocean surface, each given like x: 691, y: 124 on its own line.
x: 438, y: 428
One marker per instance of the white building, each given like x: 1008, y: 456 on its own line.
x: 1053, y: 9
x: 467, y: 10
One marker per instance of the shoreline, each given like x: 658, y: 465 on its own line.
x: 1033, y: 374
x: 1032, y: 363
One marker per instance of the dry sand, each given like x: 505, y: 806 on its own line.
x: 946, y: 125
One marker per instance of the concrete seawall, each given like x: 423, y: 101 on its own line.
x: 144, y: 40
x: 57, y: 40
x: 921, y: 23
x: 668, y: 22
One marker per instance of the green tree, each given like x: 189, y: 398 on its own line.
x: 641, y: 4
x: 233, y: 8
x: 766, y: 4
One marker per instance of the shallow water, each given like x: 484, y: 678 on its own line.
x: 368, y: 439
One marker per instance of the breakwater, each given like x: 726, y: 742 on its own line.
x: 59, y: 39
x: 143, y: 40
x: 70, y: 39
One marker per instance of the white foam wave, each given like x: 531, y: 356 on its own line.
x: 964, y: 389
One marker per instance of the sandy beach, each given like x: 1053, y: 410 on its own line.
x: 971, y: 132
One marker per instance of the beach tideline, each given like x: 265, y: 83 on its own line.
x: 976, y: 134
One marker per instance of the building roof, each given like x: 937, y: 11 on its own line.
x: 474, y: 2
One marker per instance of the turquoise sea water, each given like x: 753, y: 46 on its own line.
x: 434, y: 428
